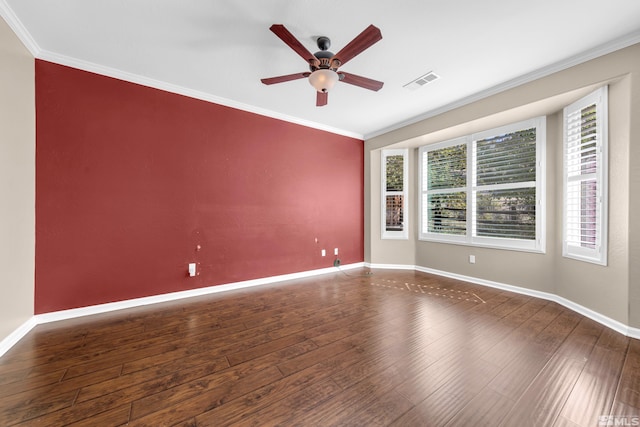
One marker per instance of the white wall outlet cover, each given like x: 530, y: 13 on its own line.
x: 324, y: 252
x: 335, y: 251
x: 192, y: 269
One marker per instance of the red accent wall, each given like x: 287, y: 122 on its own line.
x: 130, y: 180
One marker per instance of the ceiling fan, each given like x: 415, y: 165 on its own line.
x: 323, y: 65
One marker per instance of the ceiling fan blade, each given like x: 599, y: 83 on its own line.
x: 291, y: 41
x: 363, y: 41
x: 364, y: 82
x: 322, y: 99
x: 288, y: 77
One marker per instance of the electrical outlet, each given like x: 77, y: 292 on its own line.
x: 472, y: 259
x: 335, y: 251
x: 324, y: 252
x: 192, y: 269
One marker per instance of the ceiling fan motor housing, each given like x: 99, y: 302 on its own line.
x: 324, y: 56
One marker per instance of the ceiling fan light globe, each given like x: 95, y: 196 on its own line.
x: 323, y: 80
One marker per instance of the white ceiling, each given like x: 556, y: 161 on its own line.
x: 220, y: 49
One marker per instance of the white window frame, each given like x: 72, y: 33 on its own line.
x: 537, y: 245
x: 597, y: 255
x: 436, y: 237
x: 394, y: 234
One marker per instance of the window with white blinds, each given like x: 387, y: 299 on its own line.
x: 444, y: 195
x: 486, y: 189
x: 394, y: 194
x: 585, y: 179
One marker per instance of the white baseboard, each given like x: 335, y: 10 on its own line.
x: 173, y: 296
x: 587, y: 312
x: 55, y: 316
x: 391, y: 266
x: 18, y: 334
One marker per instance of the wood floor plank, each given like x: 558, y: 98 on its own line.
x: 485, y: 409
x: 204, y: 400
x: 594, y: 392
x: 64, y: 387
x: 114, y: 417
x: 436, y: 410
x: 182, y: 348
x: 292, y: 407
x: 242, y: 409
x: 519, y: 338
x: 624, y: 413
x: 629, y: 388
x: 337, y: 341
x: 168, y: 375
x: 518, y: 374
x: 342, y: 408
x: 392, y: 348
x: 542, y: 402
x: 35, y: 406
x: 413, y: 360
x: 269, y: 347
x: 191, y: 389
x: 388, y: 408
x: 109, y: 399
x: 563, y: 422
x: 23, y: 382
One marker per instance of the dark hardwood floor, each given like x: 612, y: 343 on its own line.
x: 392, y: 348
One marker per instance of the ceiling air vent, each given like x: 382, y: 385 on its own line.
x: 421, y: 81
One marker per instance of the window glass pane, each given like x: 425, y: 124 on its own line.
x: 582, y: 142
x: 395, y: 172
x: 582, y: 213
x: 394, y: 194
x: 506, y: 158
x: 394, y: 221
x: 447, y: 213
x: 506, y: 213
x: 447, y: 167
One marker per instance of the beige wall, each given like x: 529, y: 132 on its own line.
x: 604, y: 289
x: 392, y: 251
x: 634, y: 200
x: 17, y: 182
x: 614, y: 290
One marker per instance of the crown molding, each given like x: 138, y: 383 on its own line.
x: 180, y: 90
x: 25, y: 37
x: 20, y: 30
x: 598, y: 51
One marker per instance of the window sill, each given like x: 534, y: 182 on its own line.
x: 490, y: 245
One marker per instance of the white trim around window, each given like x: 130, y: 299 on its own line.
x: 585, y: 186
x: 486, y: 189
x: 395, y: 195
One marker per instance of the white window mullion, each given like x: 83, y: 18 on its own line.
x: 472, y: 159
